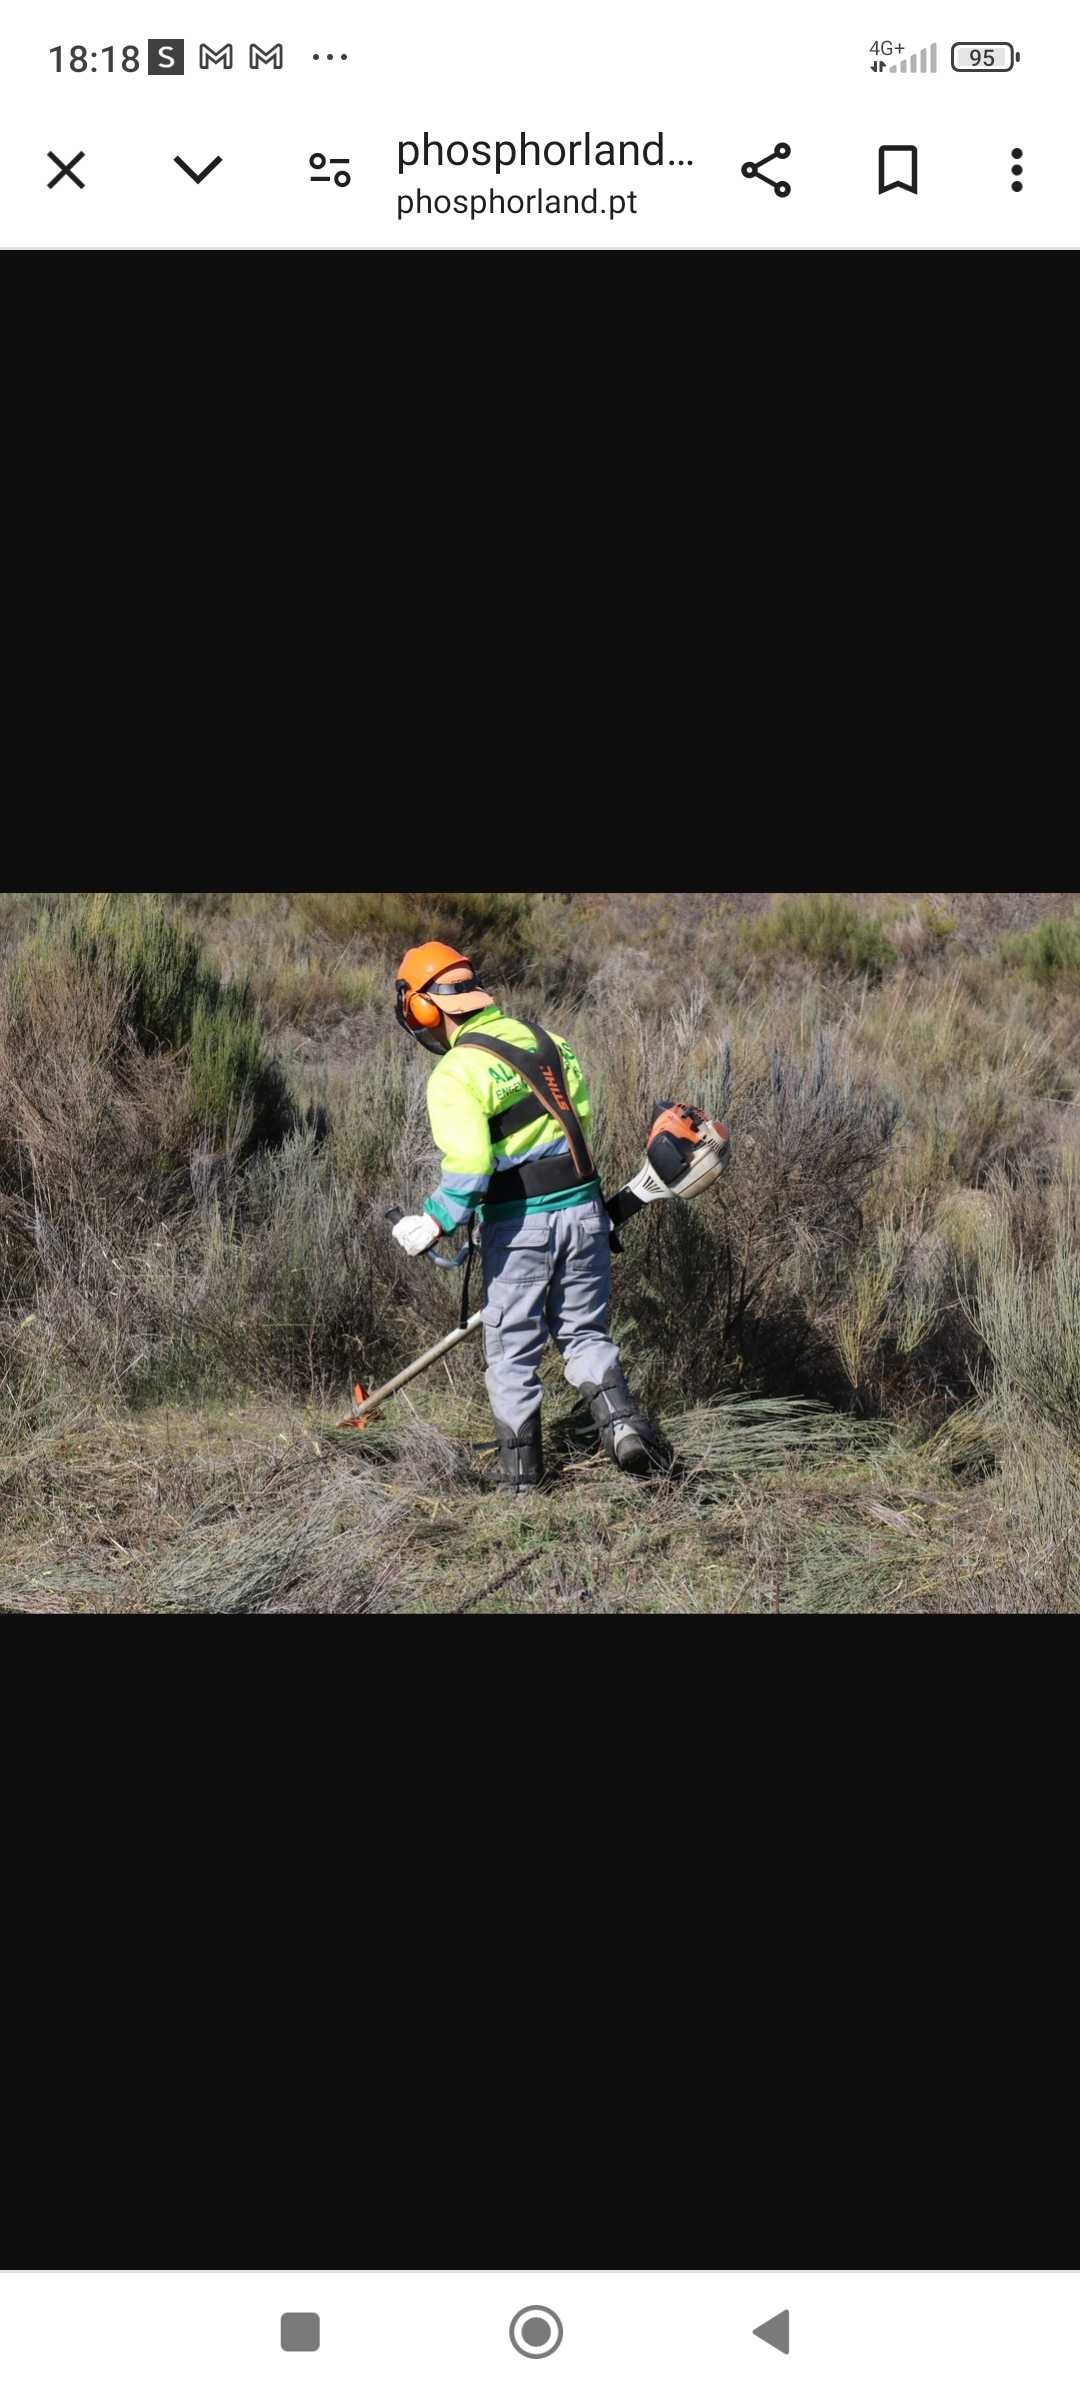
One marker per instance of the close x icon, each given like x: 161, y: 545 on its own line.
x: 67, y: 168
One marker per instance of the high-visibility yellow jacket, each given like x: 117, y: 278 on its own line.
x: 466, y: 1090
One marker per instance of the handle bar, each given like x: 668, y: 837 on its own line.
x: 392, y: 1216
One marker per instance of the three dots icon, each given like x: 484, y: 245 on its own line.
x: 1017, y: 170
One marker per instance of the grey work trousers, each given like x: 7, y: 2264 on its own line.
x: 546, y: 1275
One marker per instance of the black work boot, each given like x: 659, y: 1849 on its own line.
x: 521, y: 1455
x: 628, y: 1438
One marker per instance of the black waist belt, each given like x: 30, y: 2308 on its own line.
x: 531, y: 1182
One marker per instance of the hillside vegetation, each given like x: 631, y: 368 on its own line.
x: 864, y: 1344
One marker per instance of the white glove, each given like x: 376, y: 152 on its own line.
x: 416, y: 1234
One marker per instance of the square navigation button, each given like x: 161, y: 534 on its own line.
x: 299, y: 2332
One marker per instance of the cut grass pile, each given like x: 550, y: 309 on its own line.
x: 256, y: 1510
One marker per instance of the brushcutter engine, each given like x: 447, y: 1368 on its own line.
x: 685, y: 1148
x: 685, y: 1152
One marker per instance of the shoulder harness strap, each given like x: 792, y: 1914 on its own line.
x: 543, y: 1071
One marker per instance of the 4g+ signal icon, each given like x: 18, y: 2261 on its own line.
x: 921, y: 62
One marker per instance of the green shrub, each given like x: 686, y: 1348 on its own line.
x: 228, y: 1065
x: 1050, y: 949
x: 18, y: 912
x: 1030, y: 1321
x: 159, y: 962
x: 303, y: 992
x: 174, y: 1000
x: 825, y: 927
x: 493, y: 925
x: 921, y: 929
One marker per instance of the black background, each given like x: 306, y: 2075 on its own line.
x: 454, y: 1948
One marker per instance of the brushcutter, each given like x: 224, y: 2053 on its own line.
x: 685, y: 1152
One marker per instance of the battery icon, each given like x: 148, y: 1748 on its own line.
x: 983, y: 58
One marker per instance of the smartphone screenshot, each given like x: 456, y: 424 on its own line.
x: 601, y: 125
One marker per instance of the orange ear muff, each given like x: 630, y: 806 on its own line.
x: 420, y: 1011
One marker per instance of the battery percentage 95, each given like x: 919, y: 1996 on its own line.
x: 983, y: 58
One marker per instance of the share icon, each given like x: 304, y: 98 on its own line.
x: 752, y: 169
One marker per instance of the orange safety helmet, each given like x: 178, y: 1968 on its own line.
x: 421, y: 998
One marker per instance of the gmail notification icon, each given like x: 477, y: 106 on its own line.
x: 897, y: 167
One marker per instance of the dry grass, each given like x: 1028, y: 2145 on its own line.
x: 236, y: 1512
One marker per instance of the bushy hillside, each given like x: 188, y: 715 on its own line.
x: 864, y: 1342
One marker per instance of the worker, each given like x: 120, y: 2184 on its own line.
x: 510, y: 1112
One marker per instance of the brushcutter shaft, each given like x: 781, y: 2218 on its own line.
x: 437, y: 1350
